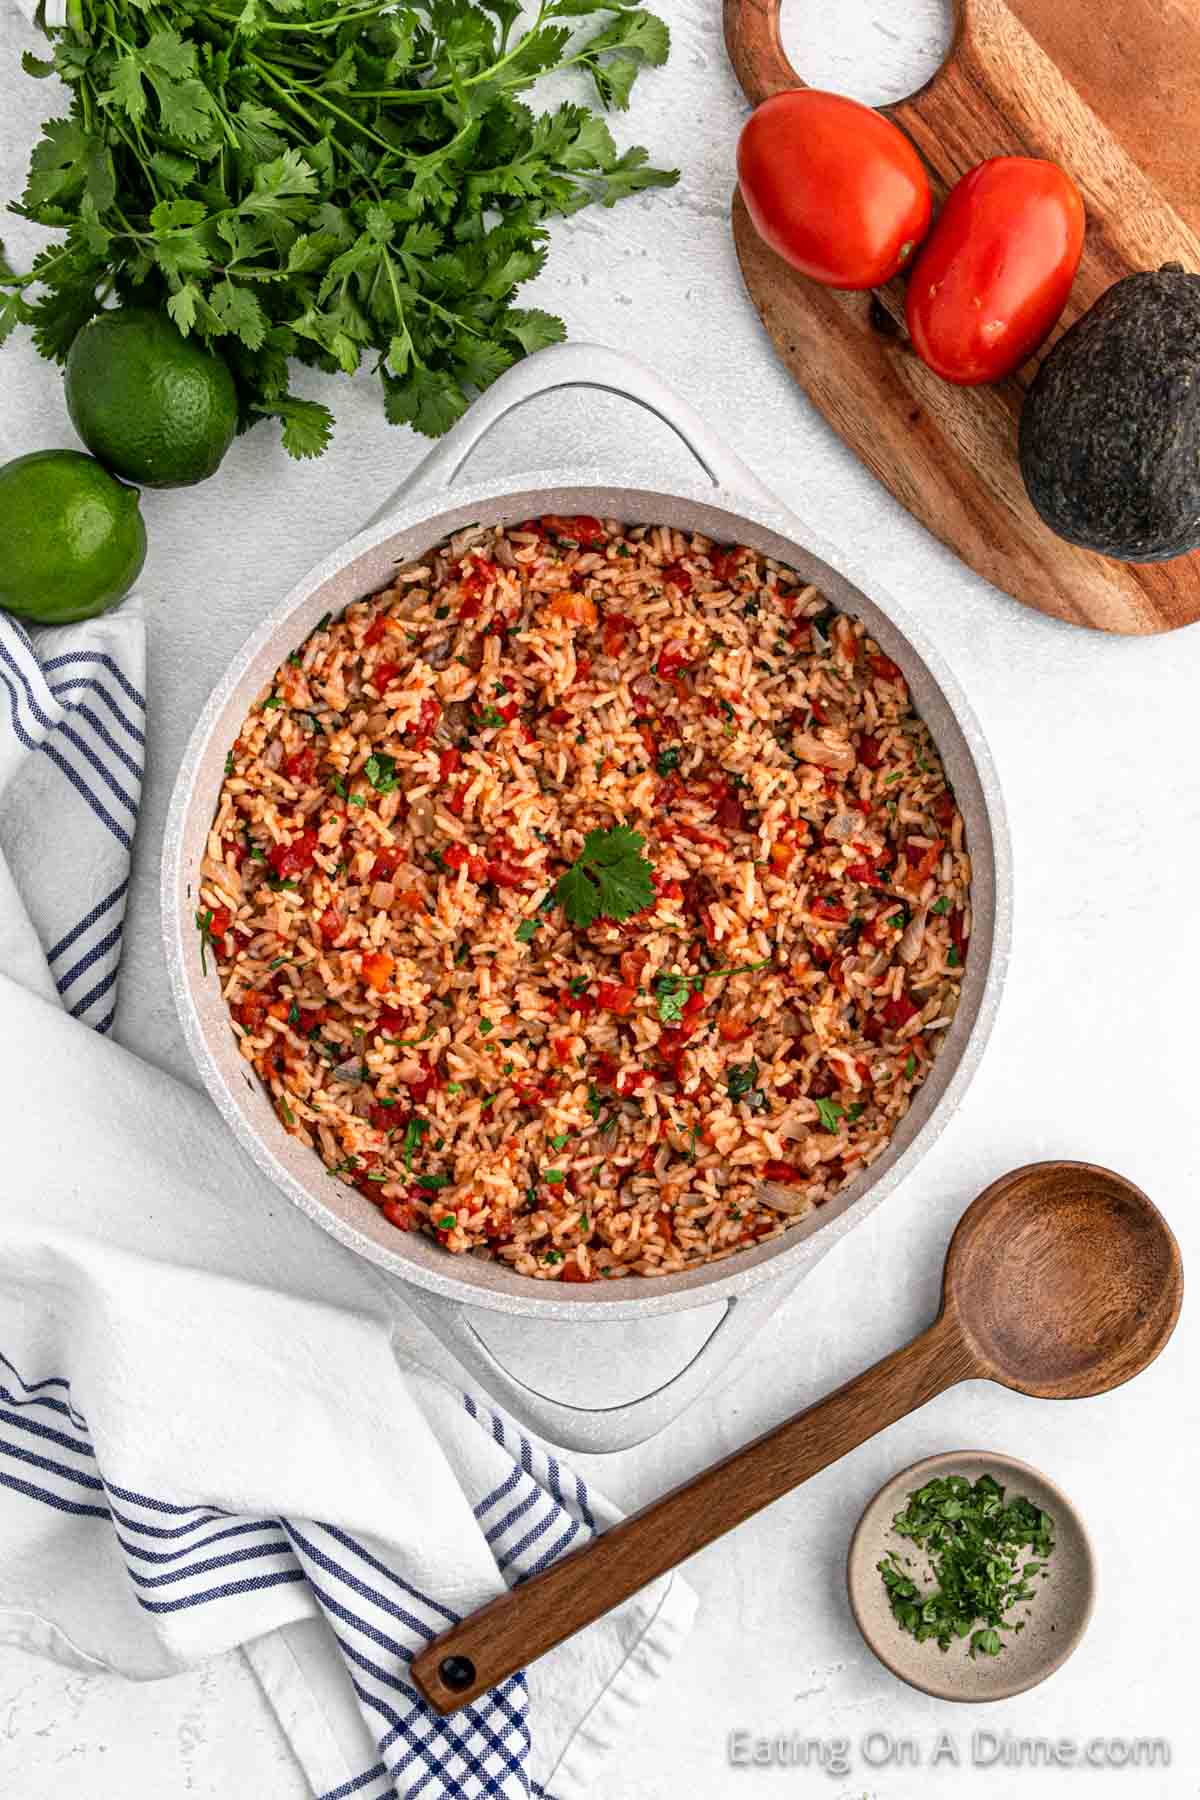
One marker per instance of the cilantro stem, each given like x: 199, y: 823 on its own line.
x: 742, y: 969
x: 321, y: 27
x: 401, y: 321
x: 329, y: 105
x: 283, y: 93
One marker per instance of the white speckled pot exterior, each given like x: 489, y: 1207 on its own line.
x: 729, y: 505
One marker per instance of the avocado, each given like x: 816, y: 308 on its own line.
x: 1110, y: 429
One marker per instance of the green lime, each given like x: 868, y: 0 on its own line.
x: 73, y: 537
x: 155, y: 407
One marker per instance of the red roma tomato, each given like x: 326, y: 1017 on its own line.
x: 833, y: 187
x: 996, y: 270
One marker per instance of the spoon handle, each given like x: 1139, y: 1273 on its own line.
x: 523, y: 1624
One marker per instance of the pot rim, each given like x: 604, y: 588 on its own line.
x: 431, y: 520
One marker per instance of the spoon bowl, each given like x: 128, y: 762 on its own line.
x: 1063, y: 1279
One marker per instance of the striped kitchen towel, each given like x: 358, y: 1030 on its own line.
x: 72, y: 743
x: 213, y: 1434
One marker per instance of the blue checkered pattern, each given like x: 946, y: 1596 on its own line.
x: 186, y: 1556
x: 73, y: 704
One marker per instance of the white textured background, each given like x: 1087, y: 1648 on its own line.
x: 1094, y: 1056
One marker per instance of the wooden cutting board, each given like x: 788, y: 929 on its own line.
x: 1114, y: 96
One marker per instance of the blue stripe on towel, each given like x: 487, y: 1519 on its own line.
x: 87, y: 795
x: 22, y: 736
x: 162, y: 1506
x: 329, y: 1567
x: 373, y: 1562
x: 48, y: 1466
x: 230, y: 1531
x: 33, y: 1492
x: 378, y: 1773
x: 98, y: 990
x: 59, y: 688
x: 91, y: 956
x: 497, y: 1494
x: 82, y: 710
x: 72, y: 657
x: 37, y: 1428
x: 90, y: 918
x: 513, y: 1514
x: 251, y: 1584
x: 161, y: 1533
x: 251, y: 1553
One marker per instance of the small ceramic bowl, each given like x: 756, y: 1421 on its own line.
x: 1054, y: 1620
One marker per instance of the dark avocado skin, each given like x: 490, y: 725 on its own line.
x: 1110, y: 429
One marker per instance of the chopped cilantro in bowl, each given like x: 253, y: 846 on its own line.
x: 983, y: 1556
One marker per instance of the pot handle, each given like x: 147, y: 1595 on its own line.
x: 601, y: 1430
x: 573, y: 366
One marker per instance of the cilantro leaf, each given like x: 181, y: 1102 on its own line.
x: 671, y: 991
x: 429, y: 399
x: 829, y: 1113
x: 307, y: 425
x: 533, y: 329
x: 741, y: 1078
x: 58, y: 316
x: 608, y: 879
x: 380, y: 771
x: 239, y: 312
x: 185, y: 107
x: 167, y: 52
x: 169, y: 215
x: 57, y: 166
x: 182, y: 305
x: 14, y: 308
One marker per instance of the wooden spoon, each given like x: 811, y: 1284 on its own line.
x: 1061, y: 1280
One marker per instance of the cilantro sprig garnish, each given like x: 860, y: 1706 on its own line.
x: 974, y: 1542
x: 609, y: 879
x: 325, y: 181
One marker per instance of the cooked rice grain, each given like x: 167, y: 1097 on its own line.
x: 400, y: 803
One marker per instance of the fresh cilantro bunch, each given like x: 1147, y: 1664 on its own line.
x: 325, y: 181
x: 609, y: 879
